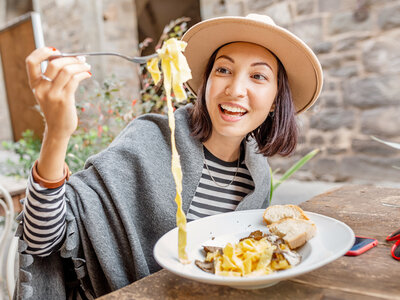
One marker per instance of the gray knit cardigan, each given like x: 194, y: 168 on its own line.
x: 119, y: 206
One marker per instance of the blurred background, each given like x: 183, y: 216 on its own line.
x: 357, y: 42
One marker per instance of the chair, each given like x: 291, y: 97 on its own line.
x: 8, y: 244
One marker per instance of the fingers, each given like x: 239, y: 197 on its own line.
x: 59, y: 71
x: 58, y: 64
x: 33, y: 62
x: 75, y: 80
x: 67, y: 73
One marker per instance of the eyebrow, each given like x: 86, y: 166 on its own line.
x: 261, y: 63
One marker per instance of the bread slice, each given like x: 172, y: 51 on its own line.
x: 295, y: 232
x: 275, y: 213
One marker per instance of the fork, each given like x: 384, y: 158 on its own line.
x: 135, y: 59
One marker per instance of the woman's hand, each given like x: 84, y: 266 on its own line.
x: 55, y: 91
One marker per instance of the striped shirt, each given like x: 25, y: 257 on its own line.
x: 45, y: 209
x: 216, y: 192
x: 44, y: 218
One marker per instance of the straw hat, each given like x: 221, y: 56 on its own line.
x: 302, y: 66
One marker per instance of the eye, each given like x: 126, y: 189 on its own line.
x: 259, y: 77
x: 222, y: 70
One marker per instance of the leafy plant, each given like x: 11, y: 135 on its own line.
x: 27, y: 149
x: 390, y: 144
x: 275, y: 184
x: 102, y: 113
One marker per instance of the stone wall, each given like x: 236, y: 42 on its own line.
x: 358, y: 45
x: 356, y: 42
x: 83, y: 25
x: 91, y: 25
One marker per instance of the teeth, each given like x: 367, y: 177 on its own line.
x: 233, y: 108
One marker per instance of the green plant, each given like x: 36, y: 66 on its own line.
x: 275, y: 184
x: 102, y: 113
x: 390, y: 144
x: 27, y: 149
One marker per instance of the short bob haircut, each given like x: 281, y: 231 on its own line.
x: 276, y: 135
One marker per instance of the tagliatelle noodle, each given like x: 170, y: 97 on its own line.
x: 176, y: 71
x: 248, y: 258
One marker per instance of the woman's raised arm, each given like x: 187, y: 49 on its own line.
x: 55, y: 93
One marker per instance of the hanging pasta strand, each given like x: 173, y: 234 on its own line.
x: 176, y: 71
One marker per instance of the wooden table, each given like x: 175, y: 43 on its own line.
x: 372, y: 275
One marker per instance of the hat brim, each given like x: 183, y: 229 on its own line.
x: 302, y: 66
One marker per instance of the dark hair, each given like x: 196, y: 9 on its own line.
x: 276, y: 135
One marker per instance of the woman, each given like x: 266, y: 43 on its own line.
x: 100, y: 227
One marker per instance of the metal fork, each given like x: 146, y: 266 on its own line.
x: 135, y: 59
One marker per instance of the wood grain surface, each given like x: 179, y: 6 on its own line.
x: 372, y: 275
x: 16, y: 43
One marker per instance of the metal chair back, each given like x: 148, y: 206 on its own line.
x: 8, y: 244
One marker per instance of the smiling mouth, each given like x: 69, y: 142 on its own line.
x: 232, y: 110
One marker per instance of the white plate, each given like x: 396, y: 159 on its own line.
x: 333, y: 239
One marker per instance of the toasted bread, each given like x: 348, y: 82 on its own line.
x: 295, y: 232
x: 276, y: 213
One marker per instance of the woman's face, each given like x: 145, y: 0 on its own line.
x: 241, y: 89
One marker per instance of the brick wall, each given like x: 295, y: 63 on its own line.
x: 358, y: 45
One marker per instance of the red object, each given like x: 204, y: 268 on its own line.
x: 393, y: 236
x: 99, y: 130
x: 89, y: 73
x: 396, y: 250
x: 52, y: 48
x: 361, y: 245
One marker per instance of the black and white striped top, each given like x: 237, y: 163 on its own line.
x: 45, y: 209
x: 212, y: 198
x: 44, y: 218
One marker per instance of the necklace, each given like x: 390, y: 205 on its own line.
x: 234, y: 176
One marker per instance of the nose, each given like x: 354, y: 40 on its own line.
x: 236, y: 87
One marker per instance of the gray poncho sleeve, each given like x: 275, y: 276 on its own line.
x: 119, y: 206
